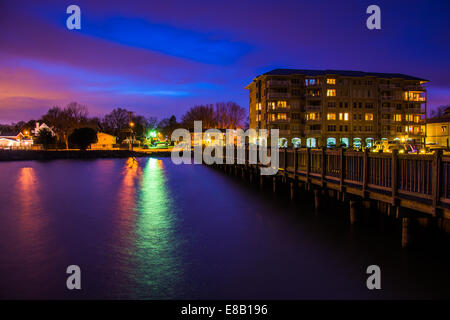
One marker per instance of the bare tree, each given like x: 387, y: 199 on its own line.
x: 204, y: 113
x: 64, y: 121
x: 116, y: 121
x: 439, y: 111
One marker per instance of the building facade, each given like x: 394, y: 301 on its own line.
x: 317, y: 108
x: 438, y: 131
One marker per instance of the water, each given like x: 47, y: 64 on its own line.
x: 148, y: 229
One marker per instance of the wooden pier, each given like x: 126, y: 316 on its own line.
x: 408, y: 186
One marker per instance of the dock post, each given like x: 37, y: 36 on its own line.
x: 250, y: 176
x: 406, y: 232
x: 274, y: 185
x: 261, y: 181
x: 316, y: 199
x: 243, y: 173
x: 292, y: 185
x: 353, y: 212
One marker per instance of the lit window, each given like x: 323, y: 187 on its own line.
x: 444, y: 128
x: 331, y: 116
x: 281, y: 104
x: 331, y: 93
x: 258, y: 106
x: 409, y: 117
x: 281, y: 116
x: 271, y: 105
x: 398, y: 117
x: 331, y: 81
x: 368, y: 117
x: 416, y: 119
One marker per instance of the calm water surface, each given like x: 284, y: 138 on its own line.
x: 149, y: 229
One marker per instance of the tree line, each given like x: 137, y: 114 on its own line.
x: 73, y: 126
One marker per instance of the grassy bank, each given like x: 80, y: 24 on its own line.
x: 17, y: 155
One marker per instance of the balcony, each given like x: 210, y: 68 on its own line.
x: 415, y: 88
x: 278, y: 95
x: 389, y: 86
x: 313, y: 95
x: 313, y: 131
x: 278, y: 83
x: 313, y: 108
x: 279, y: 121
x: 279, y: 109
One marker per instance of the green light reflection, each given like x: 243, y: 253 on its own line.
x: 156, y: 244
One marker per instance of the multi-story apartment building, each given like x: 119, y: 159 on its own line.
x: 314, y: 108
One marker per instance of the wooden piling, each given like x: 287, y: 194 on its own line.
x: 353, y: 212
x: 292, y: 188
x: 406, y: 232
x: 316, y: 199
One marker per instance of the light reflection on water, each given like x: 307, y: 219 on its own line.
x: 148, y: 229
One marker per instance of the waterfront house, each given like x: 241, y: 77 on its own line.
x: 438, y: 133
x: 104, y: 142
x: 39, y: 127
x: 18, y: 141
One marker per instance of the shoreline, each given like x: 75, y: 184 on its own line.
x: 27, y: 155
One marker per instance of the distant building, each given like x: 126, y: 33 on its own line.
x: 105, y: 142
x: 18, y: 141
x: 317, y: 108
x: 438, y: 130
x: 40, y: 127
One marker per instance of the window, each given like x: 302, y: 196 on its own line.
x: 272, y: 116
x: 312, y: 116
x: 409, y: 117
x: 258, y: 106
x: 331, y: 104
x: 416, y: 119
x: 398, y: 117
x: 331, y: 93
x: 331, y: 81
x: 331, y: 116
x: 281, y: 104
x: 281, y: 116
x: 332, y: 128
x: 343, y: 116
x: 444, y: 128
x: 271, y: 105
x: 369, y: 117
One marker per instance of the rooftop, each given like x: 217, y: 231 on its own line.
x: 345, y: 73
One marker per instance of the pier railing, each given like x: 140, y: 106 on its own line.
x: 420, y: 177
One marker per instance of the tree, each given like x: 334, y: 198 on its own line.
x: 222, y: 115
x: 65, y: 121
x: 45, y: 137
x: 203, y: 113
x: 116, y: 122
x: 83, y: 137
x: 167, y: 126
x: 439, y: 111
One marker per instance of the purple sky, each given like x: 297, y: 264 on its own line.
x: 159, y: 58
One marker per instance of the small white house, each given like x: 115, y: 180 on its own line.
x: 40, y: 127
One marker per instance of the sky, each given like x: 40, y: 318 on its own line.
x: 159, y: 58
